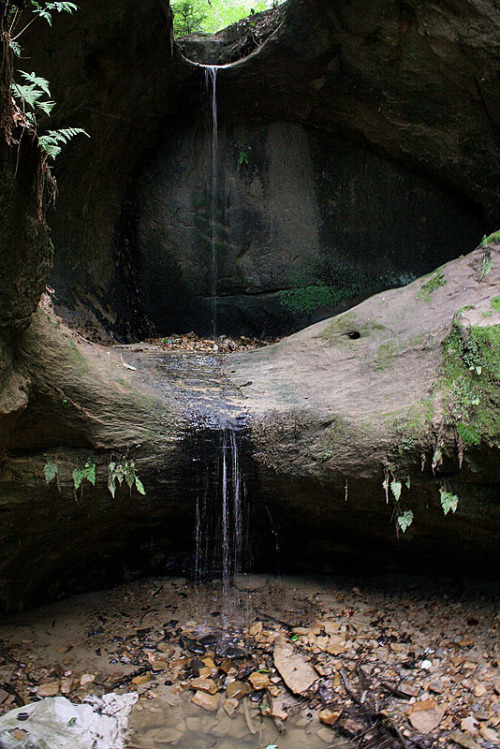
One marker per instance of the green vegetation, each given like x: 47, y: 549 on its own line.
x: 436, y: 280
x: 495, y: 303
x: 491, y: 239
x: 471, y: 382
x: 124, y: 471
x: 317, y: 284
x: 87, y: 473
x: 486, y: 264
x: 50, y: 470
x: 209, y: 16
x: 347, y: 326
x: 385, y: 355
x: 31, y: 97
x: 449, y: 501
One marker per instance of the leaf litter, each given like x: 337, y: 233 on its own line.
x: 287, y: 662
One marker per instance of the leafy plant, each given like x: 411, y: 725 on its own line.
x: 50, y: 470
x: 124, y: 471
x: 243, y: 157
x: 52, y: 141
x: 87, y: 473
x: 436, y: 280
x: 396, y: 489
x: 32, y: 96
x: 405, y: 520
x: 449, y: 501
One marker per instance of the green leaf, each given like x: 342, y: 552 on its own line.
x: 46, y: 106
x: 139, y: 486
x: 77, y: 477
x: 396, y: 489
x: 449, y: 501
x: 405, y: 520
x: 15, y: 47
x: 90, y: 472
x: 50, y: 471
x: 37, y: 81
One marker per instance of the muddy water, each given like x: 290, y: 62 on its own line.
x: 410, y: 650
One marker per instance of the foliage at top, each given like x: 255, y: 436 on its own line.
x: 30, y: 93
x: 209, y: 16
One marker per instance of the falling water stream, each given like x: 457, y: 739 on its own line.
x: 220, y: 509
x: 211, y: 88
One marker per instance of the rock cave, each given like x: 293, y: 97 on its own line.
x: 261, y: 334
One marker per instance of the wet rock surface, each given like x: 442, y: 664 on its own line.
x: 402, y: 662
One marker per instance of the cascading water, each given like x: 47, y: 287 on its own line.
x: 211, y: 88
x: 219, y: 537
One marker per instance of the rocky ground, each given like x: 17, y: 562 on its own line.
x: 283, y: 663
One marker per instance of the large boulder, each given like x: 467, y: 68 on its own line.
x: 344, y: 429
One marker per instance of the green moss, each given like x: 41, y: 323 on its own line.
x: 471, y: 381
x: 491, y: 239
x: 436, y: 280
x: 385, y: 355
x: 307, y: 299
x: 346, y: 327
x: 495, y: 303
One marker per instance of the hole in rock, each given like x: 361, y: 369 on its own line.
x: 353, y: 335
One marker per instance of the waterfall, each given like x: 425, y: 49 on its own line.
x: 211, y: 88
x: 219, y: 538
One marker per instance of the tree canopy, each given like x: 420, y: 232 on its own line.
x: 209, y: 16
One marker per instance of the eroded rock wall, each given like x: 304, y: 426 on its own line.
x: 415, y: 83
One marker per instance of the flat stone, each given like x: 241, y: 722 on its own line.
x: 237, y: 689
x: 205, y: 685
x: 51, y: 689
x: 206, y: 701
x: 258, y: 680
x: 425, y: 716
x: 297, y: 673
x: 462, y: 739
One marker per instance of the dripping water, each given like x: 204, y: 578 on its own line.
x: 211, y: 88
x: 219, y: 518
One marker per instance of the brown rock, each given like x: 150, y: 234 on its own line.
x: 462, y: 739
x: 143, y: 679
x: 237, y: 689
x: 258, y: 680
x: 204, y: 685
x: 206, y: 701
x: 297, y: 673
x: 50, y: 689
x: 329, y: 717
x: 425, y: 716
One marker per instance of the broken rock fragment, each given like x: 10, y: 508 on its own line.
x: 296, y: 672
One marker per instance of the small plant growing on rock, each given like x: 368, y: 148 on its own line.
x: 51, y: 472
x: 124, y: 471
x: 87, y: 473
x: 449, y: 501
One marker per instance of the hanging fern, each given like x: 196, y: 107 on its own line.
x: 53, y: 141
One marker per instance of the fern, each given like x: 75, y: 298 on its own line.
x: 36, y: 80
x: 53, y: 141
x: 15, y: 47
x: 45, y: 11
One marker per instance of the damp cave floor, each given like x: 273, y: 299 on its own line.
x: 399, y: 661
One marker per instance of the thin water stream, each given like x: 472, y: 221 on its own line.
x: 211, y: 88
